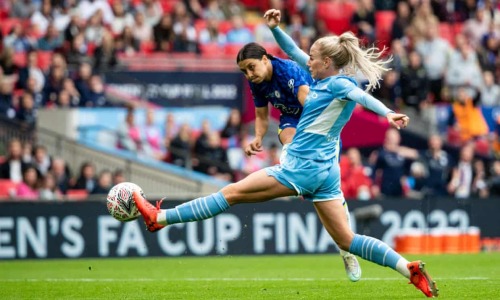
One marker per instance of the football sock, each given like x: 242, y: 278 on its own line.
x: 194, y: 210
x: 378, y: 252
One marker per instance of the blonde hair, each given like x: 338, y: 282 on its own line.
x: 346, y: 54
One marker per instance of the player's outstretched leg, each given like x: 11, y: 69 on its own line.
x: 194, y: 210
x: 380, y: 253
x: 148, y: 212
x: 351, y: 264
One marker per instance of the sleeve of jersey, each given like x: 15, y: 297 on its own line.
x: 287, y: 44
x: 257, y: 98
x: 368, y: 101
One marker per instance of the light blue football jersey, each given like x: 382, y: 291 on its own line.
x: 328, y: 107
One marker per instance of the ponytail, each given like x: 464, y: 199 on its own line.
x: 346, y: 54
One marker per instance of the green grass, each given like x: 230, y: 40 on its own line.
x: 241, y: 277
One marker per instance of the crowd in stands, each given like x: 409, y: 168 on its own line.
x: 54, y: 54
x: 28, y: 172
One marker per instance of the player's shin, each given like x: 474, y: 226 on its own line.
x: 195, y: 210
x: 378, y: 252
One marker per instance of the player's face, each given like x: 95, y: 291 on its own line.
x: 316, y: 63
x: 256, y: 70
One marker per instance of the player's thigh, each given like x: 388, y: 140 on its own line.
x: 286, y: 135
x: 333, y: 217
x: 256, y: 187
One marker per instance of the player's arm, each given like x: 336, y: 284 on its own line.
x: 370, y: 102
x: 273, y: 17
x: 261, y: 125
x: 302, y: 94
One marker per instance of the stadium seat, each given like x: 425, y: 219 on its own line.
x: 7, y: 188
x: 168, y: 5
x: 336, y: 15
x: 20, y: 59
x: 147, y: 47
x: 383, y: 27
x: 7, y: 25
x: 446, y: 32
x: 225, y: 26
x: 231, y: 50
x: 44, y: 58
x: 77, y: 194
x: 210, y: 50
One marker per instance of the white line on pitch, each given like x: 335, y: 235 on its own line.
x: 212, y: 279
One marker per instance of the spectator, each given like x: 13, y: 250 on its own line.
x: 88, y: 8
x: 104, y: 183
x: 31, y: 71
x: 490, y: 92
x: 213, y: 11
x: 121, y: 18
x: 52, y: 40
x: 42, y: 18
x: 233, y: 128
x: 13, y: 166
x: 414, y: 186
x: 170, y: 129
x: 22, y: 9
x: 28, y: 188
x: 41, y: 160
x: 232, y: 8
x: 53, y: 85
x: 74, y: 95
x: 402, y: 21
x: 48, y: 189
x: 434, y: 52
x: 75, y: 27
x: 141, y: 30
x: 82, y: 82
x: 33, y: 89
x: 77, y: 53
x: 356, y: 183
x: 389, y: 91
x: 118, y: 176
x: 94, y: 30
x: 399, y: 56
x: 6, y: 107
x: 26, y: 114
x: 466, y: 118
x: 151, y: 10
x: 363, y: 20
x: 86, y: 179
x: 62, y: 174
x: 414, y: 83
x: 466, y: 179
x: 213, y: 161
x: 423, y: 22
x: 131, y: 137
x: 239, y: 34
x: 391, y: 164
x: 152, y: 134
x: 126, y: 43
x: 201, y: 144
x: 463, y: 69
x: 438, y: 164
x: 185, y: 39
x: 180, y: 148
x: 105, y: 54
x: 7, y: 63
x: 212, y: 34
x: 475, y: 28
x: 163, y: 34
x: 493, y: 181
x: 18, y: 40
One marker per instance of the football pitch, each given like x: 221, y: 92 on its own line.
x: 242, y: 277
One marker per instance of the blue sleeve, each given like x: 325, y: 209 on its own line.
x: 287, y: 44
x: 368, y: 101
x: 258, y: 100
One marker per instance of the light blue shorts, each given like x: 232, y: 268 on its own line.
x: 314, y: 180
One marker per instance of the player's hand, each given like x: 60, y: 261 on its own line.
x: 254, y: 147
x: 398, y: 120
x: 273, y: 18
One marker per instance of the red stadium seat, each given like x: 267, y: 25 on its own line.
x: 225, y: 26
x: 231, y: 50
x: 7, y: 25
x: 446, y: 32
x: 44, y: 59
x: 383, y: 27
x: 20, y: 59
x: 7, y: 188
x: 80, y: 194
x: 211, y: 50
x: 336, y: 15
x: 147, y: 47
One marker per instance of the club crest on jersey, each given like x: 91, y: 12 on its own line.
x: 277, y: 94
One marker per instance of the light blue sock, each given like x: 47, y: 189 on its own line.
x: 375, y: 251
x: 197, y: 209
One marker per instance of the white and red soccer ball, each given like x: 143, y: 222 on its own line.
x: 120, y: 201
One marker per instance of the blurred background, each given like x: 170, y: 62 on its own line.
x: 97, y: 92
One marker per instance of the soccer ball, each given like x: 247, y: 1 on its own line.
x: 120, y: 201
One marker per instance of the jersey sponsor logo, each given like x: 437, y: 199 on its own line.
x: 291, y: 83
x: 287, y: 110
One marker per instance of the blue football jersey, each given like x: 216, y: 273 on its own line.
x: 282, y: 90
